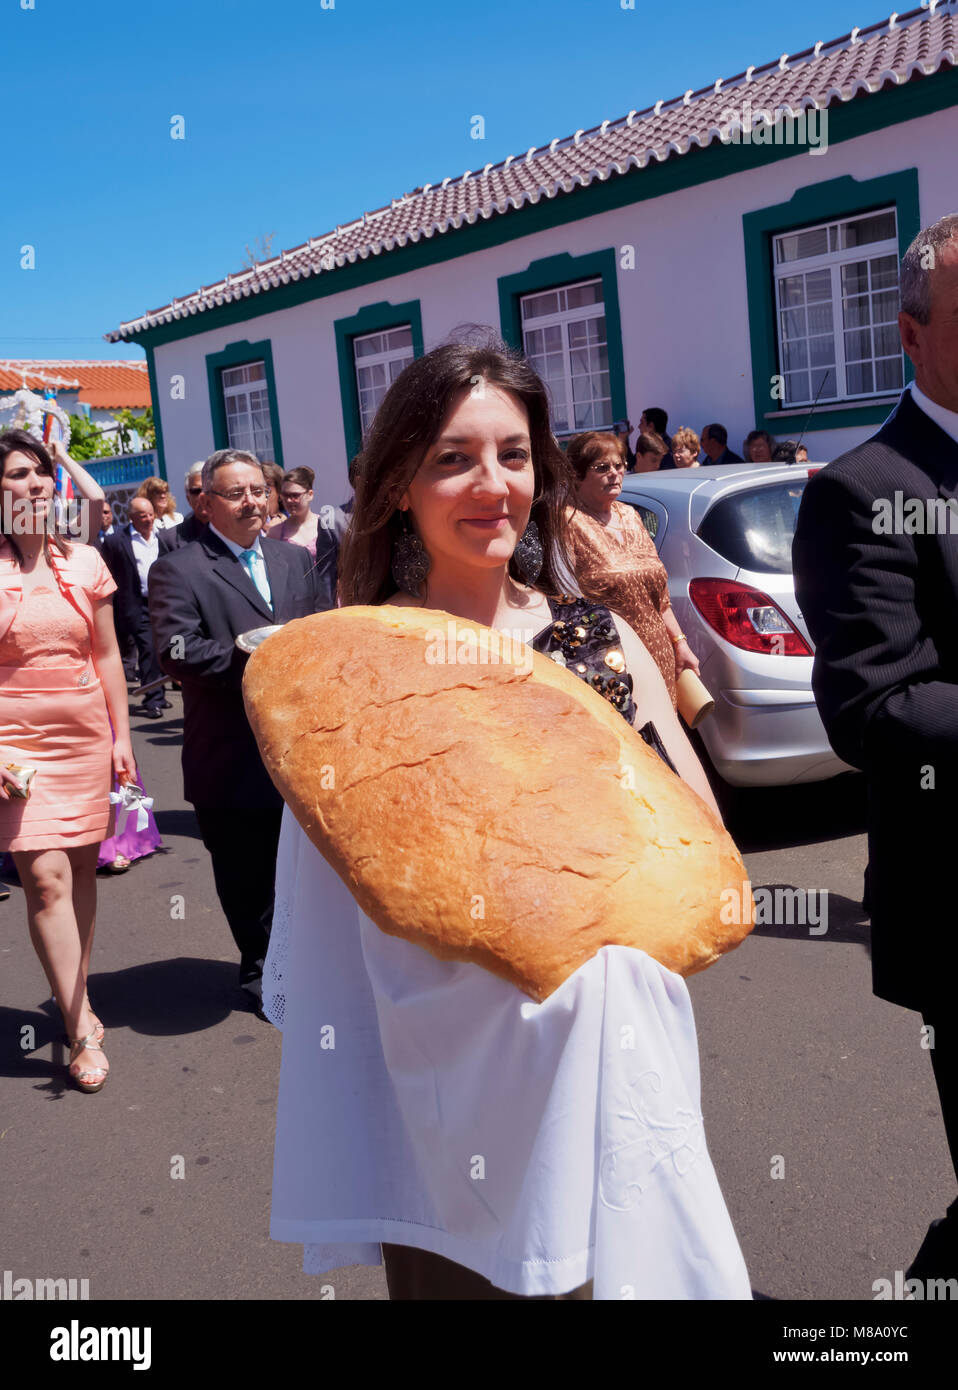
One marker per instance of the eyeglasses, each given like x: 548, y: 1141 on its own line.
x: 607, y: 467
x: 236, y: 494
x: 293, y: 496
x: 193, y: 491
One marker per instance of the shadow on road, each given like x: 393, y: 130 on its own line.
x: 177, y: 823
x: 760, y: 818
x: 843, y: 919
x: 159, y: 999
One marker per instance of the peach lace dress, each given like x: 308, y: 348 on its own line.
x: 53, y: 717
x: 621, y: 569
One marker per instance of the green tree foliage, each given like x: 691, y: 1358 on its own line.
x: 86, y: 442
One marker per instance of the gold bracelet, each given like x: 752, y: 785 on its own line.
x: 677, y: 640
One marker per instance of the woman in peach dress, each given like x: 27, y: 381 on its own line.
x: 614, y: 556
x: 61, y: 681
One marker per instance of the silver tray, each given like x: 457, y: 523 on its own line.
x: 249, y: 641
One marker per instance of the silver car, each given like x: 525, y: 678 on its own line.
x: 724, y: 535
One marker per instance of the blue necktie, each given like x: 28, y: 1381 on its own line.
x: 257, y: 572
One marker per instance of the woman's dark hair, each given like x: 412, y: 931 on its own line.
x: 302, y: 477
x: 406, y: 425
x: 20, y: 442
x: 590, y: 447
x: 785, y: 452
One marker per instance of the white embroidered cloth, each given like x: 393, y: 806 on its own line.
x: 432, y: 1104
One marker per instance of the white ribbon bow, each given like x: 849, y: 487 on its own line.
x: 129, y: 798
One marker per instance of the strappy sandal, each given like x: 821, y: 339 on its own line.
x: 76, y: 1047
x: 99, y: 1032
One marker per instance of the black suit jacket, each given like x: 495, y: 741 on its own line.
x: 882, y: 609
x: 201, y: 599
x: 129, y: 605
x: 727, y: 457
x: 189, y: 529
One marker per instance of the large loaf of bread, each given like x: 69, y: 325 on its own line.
x: 496, y: 810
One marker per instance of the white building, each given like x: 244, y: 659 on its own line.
x: 695, y: 256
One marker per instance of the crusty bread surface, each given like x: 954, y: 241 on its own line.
x: 500, y: 811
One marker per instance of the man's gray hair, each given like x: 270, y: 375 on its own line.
x: 919, y: 261
x: 221, y: 458
x: 195, y: 471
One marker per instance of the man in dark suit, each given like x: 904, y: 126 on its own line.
x: 192, y: 526
x: 202, y: 596
x: 876, y: 574
x: 714, y: 440
x: 130, y: 553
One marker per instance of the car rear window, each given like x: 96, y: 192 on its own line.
x: 754, y: 529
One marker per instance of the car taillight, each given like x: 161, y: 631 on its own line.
x: 746, y: 617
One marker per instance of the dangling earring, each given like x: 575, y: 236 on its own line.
x: 528, y: 553
x: 410, y: 561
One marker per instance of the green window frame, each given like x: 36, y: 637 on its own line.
x: 553, y: 272
x: 239, y: 355
x: 372, y: 318
x: 819, y: 202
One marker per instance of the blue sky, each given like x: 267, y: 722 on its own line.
x: 298, y: 118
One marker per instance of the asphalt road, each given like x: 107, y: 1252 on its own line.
x: 821, y: 1112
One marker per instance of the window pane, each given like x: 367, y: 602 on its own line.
x: 579, y: 295
x: 370, y: 346
x: 821, y: 351
x: 857, y: 312
x: 885, y: 306
x: 795, y: 356
x: 887, y: 341
x: 823, y: 380
x: 796, y: 246
x: 818, y: 285
x: 793, y: 323
x: 820, y: 318
x: 888, y: 374
x: 796, y: 387
x: 860, y: 378
x: 858, y: 346
x: 884, y: 273
x: 791, y: 290
x: 536, y: 306
x: 879, y: 227
x: 399, y: 338
x: 855, y: 278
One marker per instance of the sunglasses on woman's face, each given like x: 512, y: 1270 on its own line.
x: 601, y: 468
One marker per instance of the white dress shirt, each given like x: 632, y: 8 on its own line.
x: 261, y: 578
x: 946, y: 420
x: 144, y: 553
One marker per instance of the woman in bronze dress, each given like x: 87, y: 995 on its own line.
x: 615, y: 560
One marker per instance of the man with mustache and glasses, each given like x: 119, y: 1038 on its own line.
x: 202, y: 596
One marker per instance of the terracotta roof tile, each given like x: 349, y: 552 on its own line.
x: 889, y: 53
x: 102, y: 385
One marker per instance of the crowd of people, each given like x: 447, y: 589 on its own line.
x: 656, y: 450
x: 463, y: 502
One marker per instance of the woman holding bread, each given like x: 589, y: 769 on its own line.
x: 430, y: 1113
x: 615, y: 559
x: 61, y: 683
